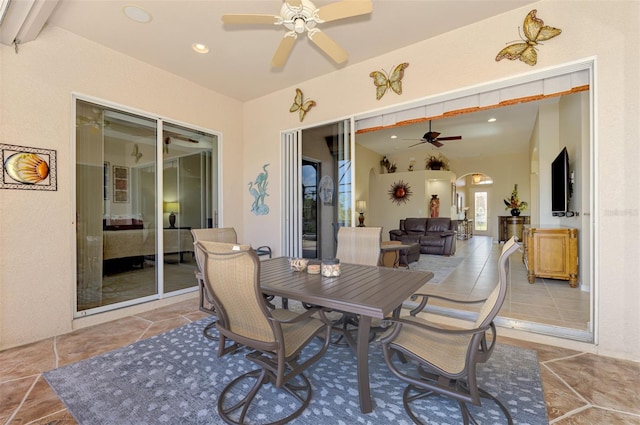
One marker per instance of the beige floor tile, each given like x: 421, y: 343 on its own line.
x: 11, y: 395
x: 559, y: 398
x: 604, y: 382
x: 94, y: 340
x: 26, y: 360
x: 41, y: 401
x: 596, y: 416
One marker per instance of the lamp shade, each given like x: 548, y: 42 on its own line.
x: 361, y: 205
x: 172, y: 207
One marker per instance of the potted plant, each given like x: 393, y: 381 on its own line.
x: 436, y: 162
x: 514, y: 204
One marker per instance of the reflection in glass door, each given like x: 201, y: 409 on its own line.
x: 187, y: 172
x: 122, y: 216
x: 330, y: 149
x: 310, y: 182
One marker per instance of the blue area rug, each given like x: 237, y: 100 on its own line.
x: 175, y: 378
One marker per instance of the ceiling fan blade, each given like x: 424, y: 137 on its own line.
x: 436, y: 143
x: 416, y: 144
x: 330, y: 47
x: 450, y: 138
x: 344, y: 9
x: 250, y: 19
x: 284, y: 49
x: 431, y: 135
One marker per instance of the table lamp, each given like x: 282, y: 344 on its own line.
x: 172, y: 207
x: 361, y: 206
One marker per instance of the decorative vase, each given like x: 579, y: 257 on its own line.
x: 515, y: 212
x: 434, y: 206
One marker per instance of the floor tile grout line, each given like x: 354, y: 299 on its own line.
x: 24, y: 398
x: 37, y: 420
x: 571, y: 413
x: 573, y: 390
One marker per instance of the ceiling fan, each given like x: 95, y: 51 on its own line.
x: 433, y: 138
x: 300, y: 16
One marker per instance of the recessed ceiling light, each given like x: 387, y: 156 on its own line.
x: 200, y: 48
x: 137, y: 14
x: 394, y: 136
x: 491, y: 120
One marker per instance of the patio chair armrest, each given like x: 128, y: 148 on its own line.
x: 426, y: 297
x: 305, y: 315
x: 399, y: 323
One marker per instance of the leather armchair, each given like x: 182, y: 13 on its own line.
x: 434, y: 235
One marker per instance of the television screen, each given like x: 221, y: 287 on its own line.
x: 560, y: 184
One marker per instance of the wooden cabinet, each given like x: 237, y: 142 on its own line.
x: 509, y: 225
x: 551, y: 253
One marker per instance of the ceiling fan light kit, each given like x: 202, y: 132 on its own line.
x: 300, y: 16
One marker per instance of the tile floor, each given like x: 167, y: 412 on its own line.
x: 547, y: 301
x: 579, y: 388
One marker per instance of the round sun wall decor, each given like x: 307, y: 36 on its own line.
x: 400, y: 192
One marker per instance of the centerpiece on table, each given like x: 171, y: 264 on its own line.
x: 514, y: 204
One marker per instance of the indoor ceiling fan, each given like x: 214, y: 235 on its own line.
x: 300, y: 16
x: 433, y: 138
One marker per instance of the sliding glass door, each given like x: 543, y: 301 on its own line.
x: 317, y: 180
x: 134, y: 223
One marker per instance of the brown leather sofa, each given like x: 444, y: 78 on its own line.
x: 434, y: 235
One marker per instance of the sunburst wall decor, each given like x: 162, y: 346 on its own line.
x: 400, y: 192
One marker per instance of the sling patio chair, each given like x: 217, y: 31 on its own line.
x: 276, y: 339
x: 219, y: 234
x: 356, y: 245
x: 446, y: 357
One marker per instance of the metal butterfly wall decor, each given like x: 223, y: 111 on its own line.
x: 301, y: 106
x: 384, y: 81
x: 535, y: 31
x: 136, y: 153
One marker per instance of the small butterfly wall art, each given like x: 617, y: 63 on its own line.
x: 384, y: 81
x: 535, y: 31
x: 300, y: 105
x: 136, y: 153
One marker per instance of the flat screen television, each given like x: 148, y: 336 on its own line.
x: 560, y: 183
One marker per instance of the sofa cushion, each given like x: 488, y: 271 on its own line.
x: 415, y: 225
x: 432, y: 241
x: 439, y: 224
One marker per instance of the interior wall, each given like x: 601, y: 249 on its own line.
x: 349, y: 91
x: 387, y: 214
x: 37, y: 281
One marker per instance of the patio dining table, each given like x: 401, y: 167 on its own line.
x: 368, y: 291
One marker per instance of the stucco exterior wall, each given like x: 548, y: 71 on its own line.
x: 37, y: 230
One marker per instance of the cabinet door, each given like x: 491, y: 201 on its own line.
x: 551, y: 255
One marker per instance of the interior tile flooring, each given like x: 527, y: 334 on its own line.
x: 579, y: 388
x: 546, y: 301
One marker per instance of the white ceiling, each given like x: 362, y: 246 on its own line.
x: 238, y: 64
x: 508, y: 135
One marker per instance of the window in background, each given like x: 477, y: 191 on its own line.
x: 480, y: 208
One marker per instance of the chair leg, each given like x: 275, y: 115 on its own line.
x: 413, y: 393
x: 240, y: 411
